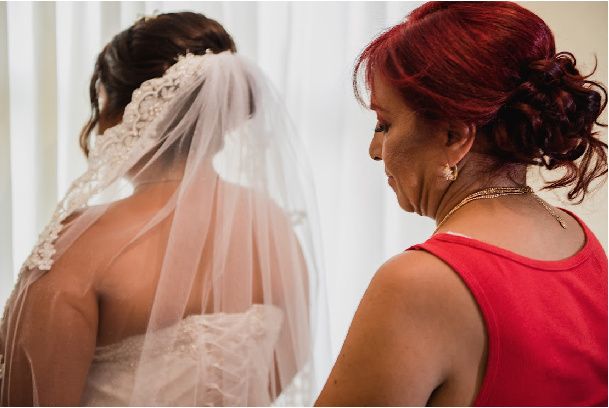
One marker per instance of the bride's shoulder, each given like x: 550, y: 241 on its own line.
x: 110, y: 227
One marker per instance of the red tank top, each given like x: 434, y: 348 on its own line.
x: 546, y: 321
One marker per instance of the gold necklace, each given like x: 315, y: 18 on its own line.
x: 494, y: 192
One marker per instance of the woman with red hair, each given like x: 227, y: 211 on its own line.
x: 506, y: 303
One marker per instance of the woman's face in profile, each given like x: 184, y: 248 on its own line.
x: 410, y: 148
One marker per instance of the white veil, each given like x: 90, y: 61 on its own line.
x: 220, y: 231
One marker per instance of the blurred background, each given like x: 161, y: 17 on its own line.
x: 47, y: 54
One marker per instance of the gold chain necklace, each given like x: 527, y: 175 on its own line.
x: 494, y: 192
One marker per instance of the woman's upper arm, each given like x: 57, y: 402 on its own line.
x: 394, y: 352
x: 54, y: 344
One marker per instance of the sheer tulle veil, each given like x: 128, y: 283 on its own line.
x: 237, y: 232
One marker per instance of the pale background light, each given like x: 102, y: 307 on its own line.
x: 47, y: 53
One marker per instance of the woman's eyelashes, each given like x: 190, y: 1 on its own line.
x: 381, y: 127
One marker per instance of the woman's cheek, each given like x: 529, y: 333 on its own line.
x: 391, y: 155
x: 397, y: 161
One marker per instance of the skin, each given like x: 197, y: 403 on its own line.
x: 79, y: 305
x: 418, y: 337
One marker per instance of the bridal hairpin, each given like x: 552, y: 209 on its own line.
x: 148, y: 17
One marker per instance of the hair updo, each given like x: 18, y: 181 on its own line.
x: 145, y: 51
x: 494, y: 65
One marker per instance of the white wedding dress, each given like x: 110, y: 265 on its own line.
x: 237, y: 347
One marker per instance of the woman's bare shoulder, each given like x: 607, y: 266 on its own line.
x: 427, y: 286
x: 406, y: 332
x: 413, y: 268
x: 422, y: 287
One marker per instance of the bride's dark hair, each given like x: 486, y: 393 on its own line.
x: 145, y: 51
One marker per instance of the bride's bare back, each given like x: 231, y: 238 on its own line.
x: 102, y: 290
x: 126, y: 284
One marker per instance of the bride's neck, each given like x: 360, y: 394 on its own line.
x: 166, y: 177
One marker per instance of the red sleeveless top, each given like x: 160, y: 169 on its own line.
x: 546, y: 321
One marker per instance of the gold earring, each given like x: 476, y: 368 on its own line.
x: 450, y: 172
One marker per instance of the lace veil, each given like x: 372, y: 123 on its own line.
x: 194, y: 227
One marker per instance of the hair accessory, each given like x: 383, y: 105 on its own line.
x: 450, y: 172
x: 148, y: 17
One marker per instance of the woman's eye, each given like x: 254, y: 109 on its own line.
x: 381, y: 127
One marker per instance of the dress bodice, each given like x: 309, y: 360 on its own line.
x: 204, y: 360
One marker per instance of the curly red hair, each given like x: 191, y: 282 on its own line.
x: 494, y: 65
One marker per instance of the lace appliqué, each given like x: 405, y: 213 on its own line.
x: 131, y: 138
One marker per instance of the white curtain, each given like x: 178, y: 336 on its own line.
x: 47, y: 54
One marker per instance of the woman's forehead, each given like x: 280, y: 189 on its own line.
x: 386, y: 99
x: 383, y: 96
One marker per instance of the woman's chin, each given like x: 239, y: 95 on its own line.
x: 404, y: 204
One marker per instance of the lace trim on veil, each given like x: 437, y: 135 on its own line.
x: 113, y: 148
x: 128, y: 139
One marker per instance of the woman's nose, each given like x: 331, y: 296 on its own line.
x: 376, y: 148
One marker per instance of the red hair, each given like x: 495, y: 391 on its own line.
x: 494, y: 65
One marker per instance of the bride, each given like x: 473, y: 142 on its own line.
x: 180, y: 268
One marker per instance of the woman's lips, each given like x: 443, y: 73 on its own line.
x: 390, y: 181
